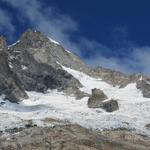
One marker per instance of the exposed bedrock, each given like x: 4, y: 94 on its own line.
x: 10, y: 85
x: 37, y: 62
x: 73, y: 137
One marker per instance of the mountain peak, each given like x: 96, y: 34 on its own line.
x: 33, y: 38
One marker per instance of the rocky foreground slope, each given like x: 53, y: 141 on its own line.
x: 54, y: 89
x: 73, y: 137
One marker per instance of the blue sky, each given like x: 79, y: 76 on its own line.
x: 114, y: 34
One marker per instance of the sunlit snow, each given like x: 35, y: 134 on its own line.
x: 13, y: 44
x: 53, y: 41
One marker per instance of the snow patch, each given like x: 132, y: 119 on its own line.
x: 13, y: 44
x: 24, y: 67
x: 68, y: 51
x: 53, y: 41
x: 10, y: 65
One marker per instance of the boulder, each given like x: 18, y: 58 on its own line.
x: 110, y: 106
x: 147, y: 126
x: 95, y: 100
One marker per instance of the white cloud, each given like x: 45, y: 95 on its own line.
x: 137, y: 62
x: 46, y: 19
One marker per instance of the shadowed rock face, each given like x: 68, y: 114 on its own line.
x: 34, y: 60
x: 73, y: 137
x: 45, y: 51
x: 144, y: 86
x: 10, y: 85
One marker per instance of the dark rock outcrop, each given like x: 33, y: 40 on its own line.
x: 147, y: 126
x: 10, y: 84
x: 95, y: 100
x: 110, y: 106
x: 144, y: 86
x: 35, y: 60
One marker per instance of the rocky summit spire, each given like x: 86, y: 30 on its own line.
x: 3, y: 43
x: 33, y: 38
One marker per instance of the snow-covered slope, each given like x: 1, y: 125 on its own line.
x: 133, y: 110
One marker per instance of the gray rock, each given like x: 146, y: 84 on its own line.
x: 34, y: 59
x: 96, y: 98
x: 114, y: 77
x: 45, y: 51
x: 72, y: 137
x: 10, y: 84
x: 76, y: 92
x: 147, y: 126
x: 144, y: 86
x: 110, y: 106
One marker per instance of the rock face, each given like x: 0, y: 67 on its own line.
x: 10, y: 84
x: 115, y: 78
x: 110, y: 106
x: 34, y: 59
x: 144, y: 86
x: 73, y: 137
x: 96, y: 98
x: 3, y: 44
x: 44, y: 50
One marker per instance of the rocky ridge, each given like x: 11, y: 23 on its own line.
x: 37, y: 62
x: 10, y: 84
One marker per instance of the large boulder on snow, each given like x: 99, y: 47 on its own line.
x: 110, y: 106
x: 96, y: 98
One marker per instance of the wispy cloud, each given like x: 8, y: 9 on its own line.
x: 6, y: 22
x: 46, y: 19
x: 61, y: 27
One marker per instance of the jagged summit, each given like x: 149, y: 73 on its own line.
x: 45, y: 50
x: 33, y: 38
